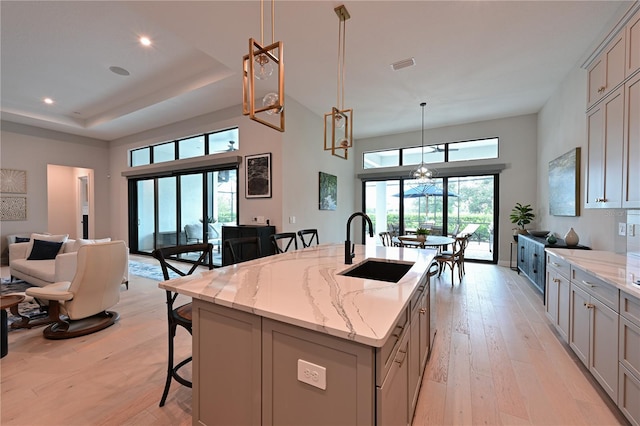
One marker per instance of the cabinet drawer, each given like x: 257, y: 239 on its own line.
x: 630, y: 308
x: 629, y: 341
x: 605, y: 292
x: 560, y: 265
x: 629, y: 395
x: 386, y: 354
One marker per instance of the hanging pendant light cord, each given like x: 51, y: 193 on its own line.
x: 273, y: 21
x: 423, y: 104
x: 342, y: 28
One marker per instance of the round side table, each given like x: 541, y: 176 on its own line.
x: 7, y: 302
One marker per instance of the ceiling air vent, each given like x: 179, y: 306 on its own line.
x: 403, y: 64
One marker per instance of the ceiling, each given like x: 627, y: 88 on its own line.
x: 474, y: 60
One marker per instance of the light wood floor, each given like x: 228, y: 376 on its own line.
x: 496, y: 361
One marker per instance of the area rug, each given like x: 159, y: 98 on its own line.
x: 29, y: 309
x: 147, y: 270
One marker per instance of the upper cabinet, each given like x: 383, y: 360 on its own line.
x: 631, y: 153
x: 607, y: 71
x: 633, y: 45
x: 613, y: 121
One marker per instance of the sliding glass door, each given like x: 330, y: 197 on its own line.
x: 187, y: 208
x: 446, y: 206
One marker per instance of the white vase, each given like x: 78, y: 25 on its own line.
x: 571, y: 238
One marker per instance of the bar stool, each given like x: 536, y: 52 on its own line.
x: 311, y: 234
x: 180, y: 316
x: 288, y: 239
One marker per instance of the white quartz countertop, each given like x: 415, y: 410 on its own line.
x: 619, y: 270
x: 303, y: 288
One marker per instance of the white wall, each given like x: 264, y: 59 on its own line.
x: 518, y: 139
x: 297, y: 157
x: 33, y: 149
x: 303, y: 158
x: 562, y: 126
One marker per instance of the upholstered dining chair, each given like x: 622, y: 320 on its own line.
x: 181, y: 315
x: 79, y: 307
x: 307, y: 236
x: 243, y: 249
x: 287, y: 238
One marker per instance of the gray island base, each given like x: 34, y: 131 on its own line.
x: 287, y: 339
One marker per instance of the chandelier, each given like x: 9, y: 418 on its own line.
x: 422, y: 173
x: 262, y: 91
x: 338, y: 124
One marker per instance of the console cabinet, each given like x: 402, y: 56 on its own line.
x: 262, y: 232
x: 532, y: 261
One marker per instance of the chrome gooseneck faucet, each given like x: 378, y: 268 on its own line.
x: 349, y: 253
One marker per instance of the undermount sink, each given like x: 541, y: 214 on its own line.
x: 379, y: 270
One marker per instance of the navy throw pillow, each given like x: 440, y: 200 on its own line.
x: 44, y: 250
x: 22, y: 239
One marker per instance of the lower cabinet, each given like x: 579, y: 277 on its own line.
x: 593, y: 336
x: 629, y: 357
x: 253, y: 370
x: 557, y: 295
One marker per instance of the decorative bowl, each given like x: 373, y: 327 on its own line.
x: 539, y: 233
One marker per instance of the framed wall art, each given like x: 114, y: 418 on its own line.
x: 13, y: 208
x: 328, y: 191
x: 13, y: 181
x: 564, y: 184
x: 257, y: 176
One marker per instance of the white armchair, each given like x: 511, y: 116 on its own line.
x: 79, y: 307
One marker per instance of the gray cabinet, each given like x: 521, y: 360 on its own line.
x: 254, y: 370
x: 557, y: 295
x: 629, y: 357
x: 593, y: 329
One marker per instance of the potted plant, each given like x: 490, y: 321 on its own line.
x: 422, y: 233
x: 521, y: 216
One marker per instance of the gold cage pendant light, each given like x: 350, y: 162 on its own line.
x: 422, y: 173
x: 263, y: 92
x: 338, y: 124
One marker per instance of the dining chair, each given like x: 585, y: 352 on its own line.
x: 385, y: 237
x: 243, y: 249
x: 182, y: 315
x: 287, y: 238
x: 310, y: 234
x: 453, y: 258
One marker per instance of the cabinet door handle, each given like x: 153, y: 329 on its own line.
x: 423, y: 311
x: 588, y: 284
x: 555, y: 264
x: 556, y: 280
x: 601, y: 89
x: 589, y: 305
x: 401, y: 360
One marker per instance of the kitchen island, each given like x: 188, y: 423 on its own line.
x: 287, y: 339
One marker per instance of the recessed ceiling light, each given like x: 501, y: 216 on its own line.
x: 403, y: 64
x: 145, y: 41
x: 48, y: 101
x: 119, y: 70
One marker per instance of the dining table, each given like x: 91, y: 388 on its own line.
x: 438, y: 241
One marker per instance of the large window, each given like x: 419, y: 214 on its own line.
x: 442, y: 153
x: 193, y: 146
